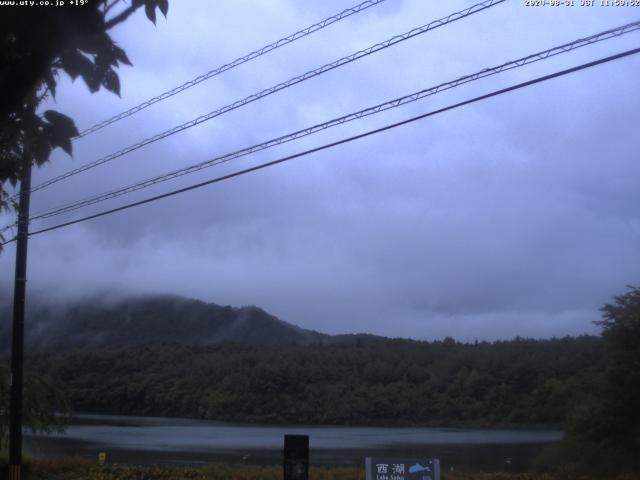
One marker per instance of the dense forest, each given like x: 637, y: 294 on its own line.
x: 374, y: 381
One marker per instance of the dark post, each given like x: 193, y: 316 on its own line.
x: 17, y: 340
x: 296, y: 457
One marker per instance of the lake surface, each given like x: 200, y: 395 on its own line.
x: 172, y: 440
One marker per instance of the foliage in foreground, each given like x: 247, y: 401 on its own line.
x: 46, y: 409
x: 603, y: 431
x: 82, y: 469
x: 36, y: 45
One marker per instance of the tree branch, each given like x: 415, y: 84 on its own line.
x: 109, y: 7
x: 121, y: 17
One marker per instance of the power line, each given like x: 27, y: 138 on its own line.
x: 281, y: 86
x: 238, y: 61
x: 345, y: 140
x: 605, y: 35
x: 8, y: 227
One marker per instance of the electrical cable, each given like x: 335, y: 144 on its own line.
x: 281, y: 86
x: 605, y: 35
x: 343, y: 141
x: 228, y: 66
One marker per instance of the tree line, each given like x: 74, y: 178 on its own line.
x: 386, y: 381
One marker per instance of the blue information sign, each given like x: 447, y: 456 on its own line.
x: 401, y: 469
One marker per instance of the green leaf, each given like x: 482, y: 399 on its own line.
x: 64, y: 143
x: 121, y: 55
x: 106, y: 54
x: 40, y: 149
x: 95, y: 44
x: 65, y: 124
x: 76, y: 64
x: 51, y: 83
x: 93, y: 80
x: 163, y: 5
x: 60, y: 130
x: 111, y: 82
x: 104, y: 61
x: 150, y: 10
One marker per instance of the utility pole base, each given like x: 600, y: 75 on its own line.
x: 14, y: 472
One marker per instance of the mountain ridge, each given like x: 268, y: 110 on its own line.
x: 101, y: 322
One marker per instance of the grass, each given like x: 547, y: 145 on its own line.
x: 83, y: 469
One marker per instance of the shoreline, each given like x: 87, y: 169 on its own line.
x: 397, y: 424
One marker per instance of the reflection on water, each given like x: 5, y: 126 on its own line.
x: 170, y: 440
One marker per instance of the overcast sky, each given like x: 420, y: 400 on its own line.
x: 514, y: 216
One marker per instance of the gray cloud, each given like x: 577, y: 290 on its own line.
x: 515, y: 216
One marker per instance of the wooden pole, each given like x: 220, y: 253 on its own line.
x: 17, y: 339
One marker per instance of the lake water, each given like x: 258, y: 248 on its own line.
x: 172, y: 440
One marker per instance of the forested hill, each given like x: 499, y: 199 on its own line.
x: 174, y: 356
x: 383, y: 381
x: 97, y: 323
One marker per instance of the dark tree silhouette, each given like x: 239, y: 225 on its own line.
x: 36, y: 44
x: 621, y: 333
x: 46, y: 406
x: 603, y: 429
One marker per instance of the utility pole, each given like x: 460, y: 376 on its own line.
x: 17, y: 339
